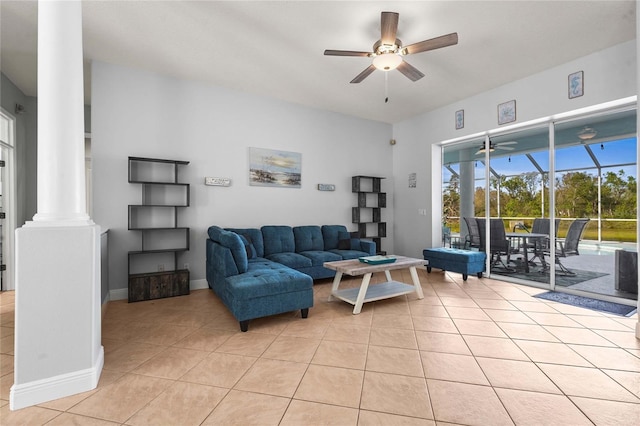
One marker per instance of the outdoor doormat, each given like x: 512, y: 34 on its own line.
x: 589, y: 303
x: 539, y: 275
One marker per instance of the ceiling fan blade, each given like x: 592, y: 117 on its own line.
x: 330, y: 52
x: 364, y: 74
x: 388, y: 27
x: 506, y: 148
x: 431, y: 44
x: 411, y: 72
x: 508, y: 143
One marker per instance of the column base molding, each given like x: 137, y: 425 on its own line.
x: 39, y: 391
x: 58, y: 222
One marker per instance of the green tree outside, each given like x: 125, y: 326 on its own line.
x: 576, y: 196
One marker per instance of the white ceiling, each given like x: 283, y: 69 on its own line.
x: 275, y: 48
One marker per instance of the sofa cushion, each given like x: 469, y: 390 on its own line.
x: 319, y: 257
x: 292, y: 260
x: 260, y: 263
x: 330, y: 235
x: 348, y: 241
x: 265, y: 283
x: 232, y: 241
x: 344, y: 241
x: 350, y: 254
x: 278, y: 239
x: 248, y: 246
x: 219, y: 260
x: 308, y: 238
x: 254, y: 235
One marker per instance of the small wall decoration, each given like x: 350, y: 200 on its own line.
x: 507, y: 112
x: 326, y: 187
x: 459, y: 119
x: 576, y: 84
x: 217, y: 181
x: 412, y: 180
x: 268, y: 167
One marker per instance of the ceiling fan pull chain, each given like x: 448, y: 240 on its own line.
x: 386, y: 87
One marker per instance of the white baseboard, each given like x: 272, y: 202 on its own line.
x: 198, y: 284
x: 123, y: 293
x: 119, y: 294
x: 63, y: 385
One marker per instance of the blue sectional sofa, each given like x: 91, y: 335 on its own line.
x: 268, y: 271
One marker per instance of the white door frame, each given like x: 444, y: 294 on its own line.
x: 9, y: 191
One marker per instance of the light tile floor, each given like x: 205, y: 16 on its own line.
x: 481, y: 352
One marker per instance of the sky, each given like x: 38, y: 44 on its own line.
x: 612, y: 158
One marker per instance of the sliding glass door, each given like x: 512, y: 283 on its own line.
x: 463, y: 191
x: 595, y: 200
x: 562, y: 194
x: 519, y: 164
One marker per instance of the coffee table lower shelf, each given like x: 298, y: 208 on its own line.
x: 375, y: 292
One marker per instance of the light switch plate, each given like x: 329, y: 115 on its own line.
x: 217, y: 181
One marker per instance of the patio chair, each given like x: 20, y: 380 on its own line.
x: 498, y: 243
x: 539, y: 245
x: 516, y: 244
x: 568, y: 246
x: 446, y: 236
x: 472, y: 240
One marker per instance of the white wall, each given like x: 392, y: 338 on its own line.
x: 136, y: 113
x: 608, y: 75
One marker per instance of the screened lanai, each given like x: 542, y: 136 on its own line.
x: 591, y: 160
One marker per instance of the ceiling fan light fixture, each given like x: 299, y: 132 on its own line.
x: 387, y: 61
x: 482, y: 149
x: 587, y: 133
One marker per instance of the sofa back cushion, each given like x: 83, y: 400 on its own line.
x: 308, y: 238
x: 278, y: 239
x: 248, y: 247
x: 220, y: 262
x: 331, y: 235
x: 253, y: 237
x: 348, y: 241
x: 232, y: 241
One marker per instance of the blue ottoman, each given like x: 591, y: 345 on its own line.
x: 464, y: 262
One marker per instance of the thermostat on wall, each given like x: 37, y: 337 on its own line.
x: 217, y: 181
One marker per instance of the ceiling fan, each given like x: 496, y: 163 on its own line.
x: 494, y: 146
x: 388, y: 52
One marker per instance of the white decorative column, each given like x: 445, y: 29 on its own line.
x: 58, y: 348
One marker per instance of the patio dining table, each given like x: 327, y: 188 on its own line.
x: 526, y: 238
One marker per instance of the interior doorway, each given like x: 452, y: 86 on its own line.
x: 7, y: 200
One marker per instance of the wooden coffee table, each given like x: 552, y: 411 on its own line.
x: 358, y: 296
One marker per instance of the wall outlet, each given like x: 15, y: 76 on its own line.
x: 161, y: 267
x: 186, y: 266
